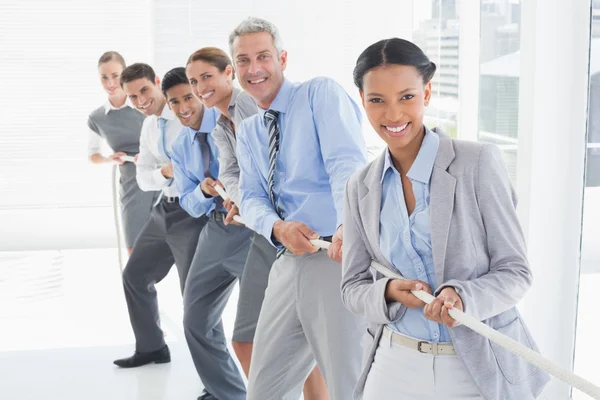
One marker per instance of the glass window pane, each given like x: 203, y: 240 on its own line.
x: 436, y: 33
x: 586, y: 350
x: 499, y: 77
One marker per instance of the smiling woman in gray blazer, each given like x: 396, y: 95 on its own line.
x: 441, y: 212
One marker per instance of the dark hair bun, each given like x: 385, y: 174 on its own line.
x: 389, y: 52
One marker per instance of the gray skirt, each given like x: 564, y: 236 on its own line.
x: 135, y: 203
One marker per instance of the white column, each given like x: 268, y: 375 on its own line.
x: 468, y: 69
x: 552, y: 128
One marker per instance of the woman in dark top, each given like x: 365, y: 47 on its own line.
x: 119, y: 124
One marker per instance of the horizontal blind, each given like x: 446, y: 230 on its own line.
x: 49, y: 81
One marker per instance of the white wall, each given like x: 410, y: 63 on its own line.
x: 50, y: 196
x: 323, y: 38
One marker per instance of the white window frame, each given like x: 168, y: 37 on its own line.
x: 555, y: 42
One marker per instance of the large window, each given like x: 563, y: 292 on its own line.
x: 500, y: 59
x: 482, y: 50
x: 587, y: 353
x: 490, y: 103
x: 436, y: 32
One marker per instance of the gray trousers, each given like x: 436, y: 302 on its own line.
x: 169, y: 236
x: 219, y: 261
x: 303, y: 320
x: 253, y: 285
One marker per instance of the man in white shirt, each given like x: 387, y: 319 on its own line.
x: 171, y: 234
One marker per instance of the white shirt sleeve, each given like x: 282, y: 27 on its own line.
x: 94, y: 143
x: 149, y: 175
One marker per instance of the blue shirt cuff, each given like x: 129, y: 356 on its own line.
x: 202, y: 200
x: 267, y: 229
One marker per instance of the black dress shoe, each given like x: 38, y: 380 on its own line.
x: 206, y: 396
x: 161, y: 356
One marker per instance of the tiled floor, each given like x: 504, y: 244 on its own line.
x: 63, y: 320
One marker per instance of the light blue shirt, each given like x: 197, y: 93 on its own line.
x: 321, y: 146
x: 188, y: 166
x: 406, y: 240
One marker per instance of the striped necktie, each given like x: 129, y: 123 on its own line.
x: 271, y: 120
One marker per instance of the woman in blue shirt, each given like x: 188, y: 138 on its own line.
x: 441, y: 212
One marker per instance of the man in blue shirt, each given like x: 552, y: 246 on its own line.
x: 295, y: 157
x: 170, y: 235
x: 222, y: 250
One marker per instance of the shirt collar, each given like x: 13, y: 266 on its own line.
x: 423, y: 166
x: 232, y: 103
x: 167, y: 113
x: 234, y: 95
x: 209, y: 121
x: 108, y: 106
x: 282, y: 100
x: 191, y: 133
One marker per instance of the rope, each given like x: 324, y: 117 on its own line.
x: 117, y: 220
x: 115, y: 198
x: 509, y: 344
x: 225, y: 197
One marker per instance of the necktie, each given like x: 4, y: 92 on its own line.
x: 206, y: 158
x: 162, y: 143
x: 271, y: 117
x: 206, y: 155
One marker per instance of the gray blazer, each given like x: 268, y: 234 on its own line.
x: 241, y: 106
x: 478, y: 248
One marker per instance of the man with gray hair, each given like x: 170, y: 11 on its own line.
x: 295, y: 157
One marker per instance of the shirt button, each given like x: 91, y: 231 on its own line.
x: 281, y: 174
x: 436, y: 335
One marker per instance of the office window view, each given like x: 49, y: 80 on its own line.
x: 62, y: 308
x: 498, y: 59
x: 499, y: 78
x: 586, y: 355
x: 437, y: 33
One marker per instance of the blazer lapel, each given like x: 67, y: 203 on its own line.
x: 443, y: 187
x: 370, y: 207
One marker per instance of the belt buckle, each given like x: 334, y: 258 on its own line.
x: 217, y: 216
x: 420, y: 343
